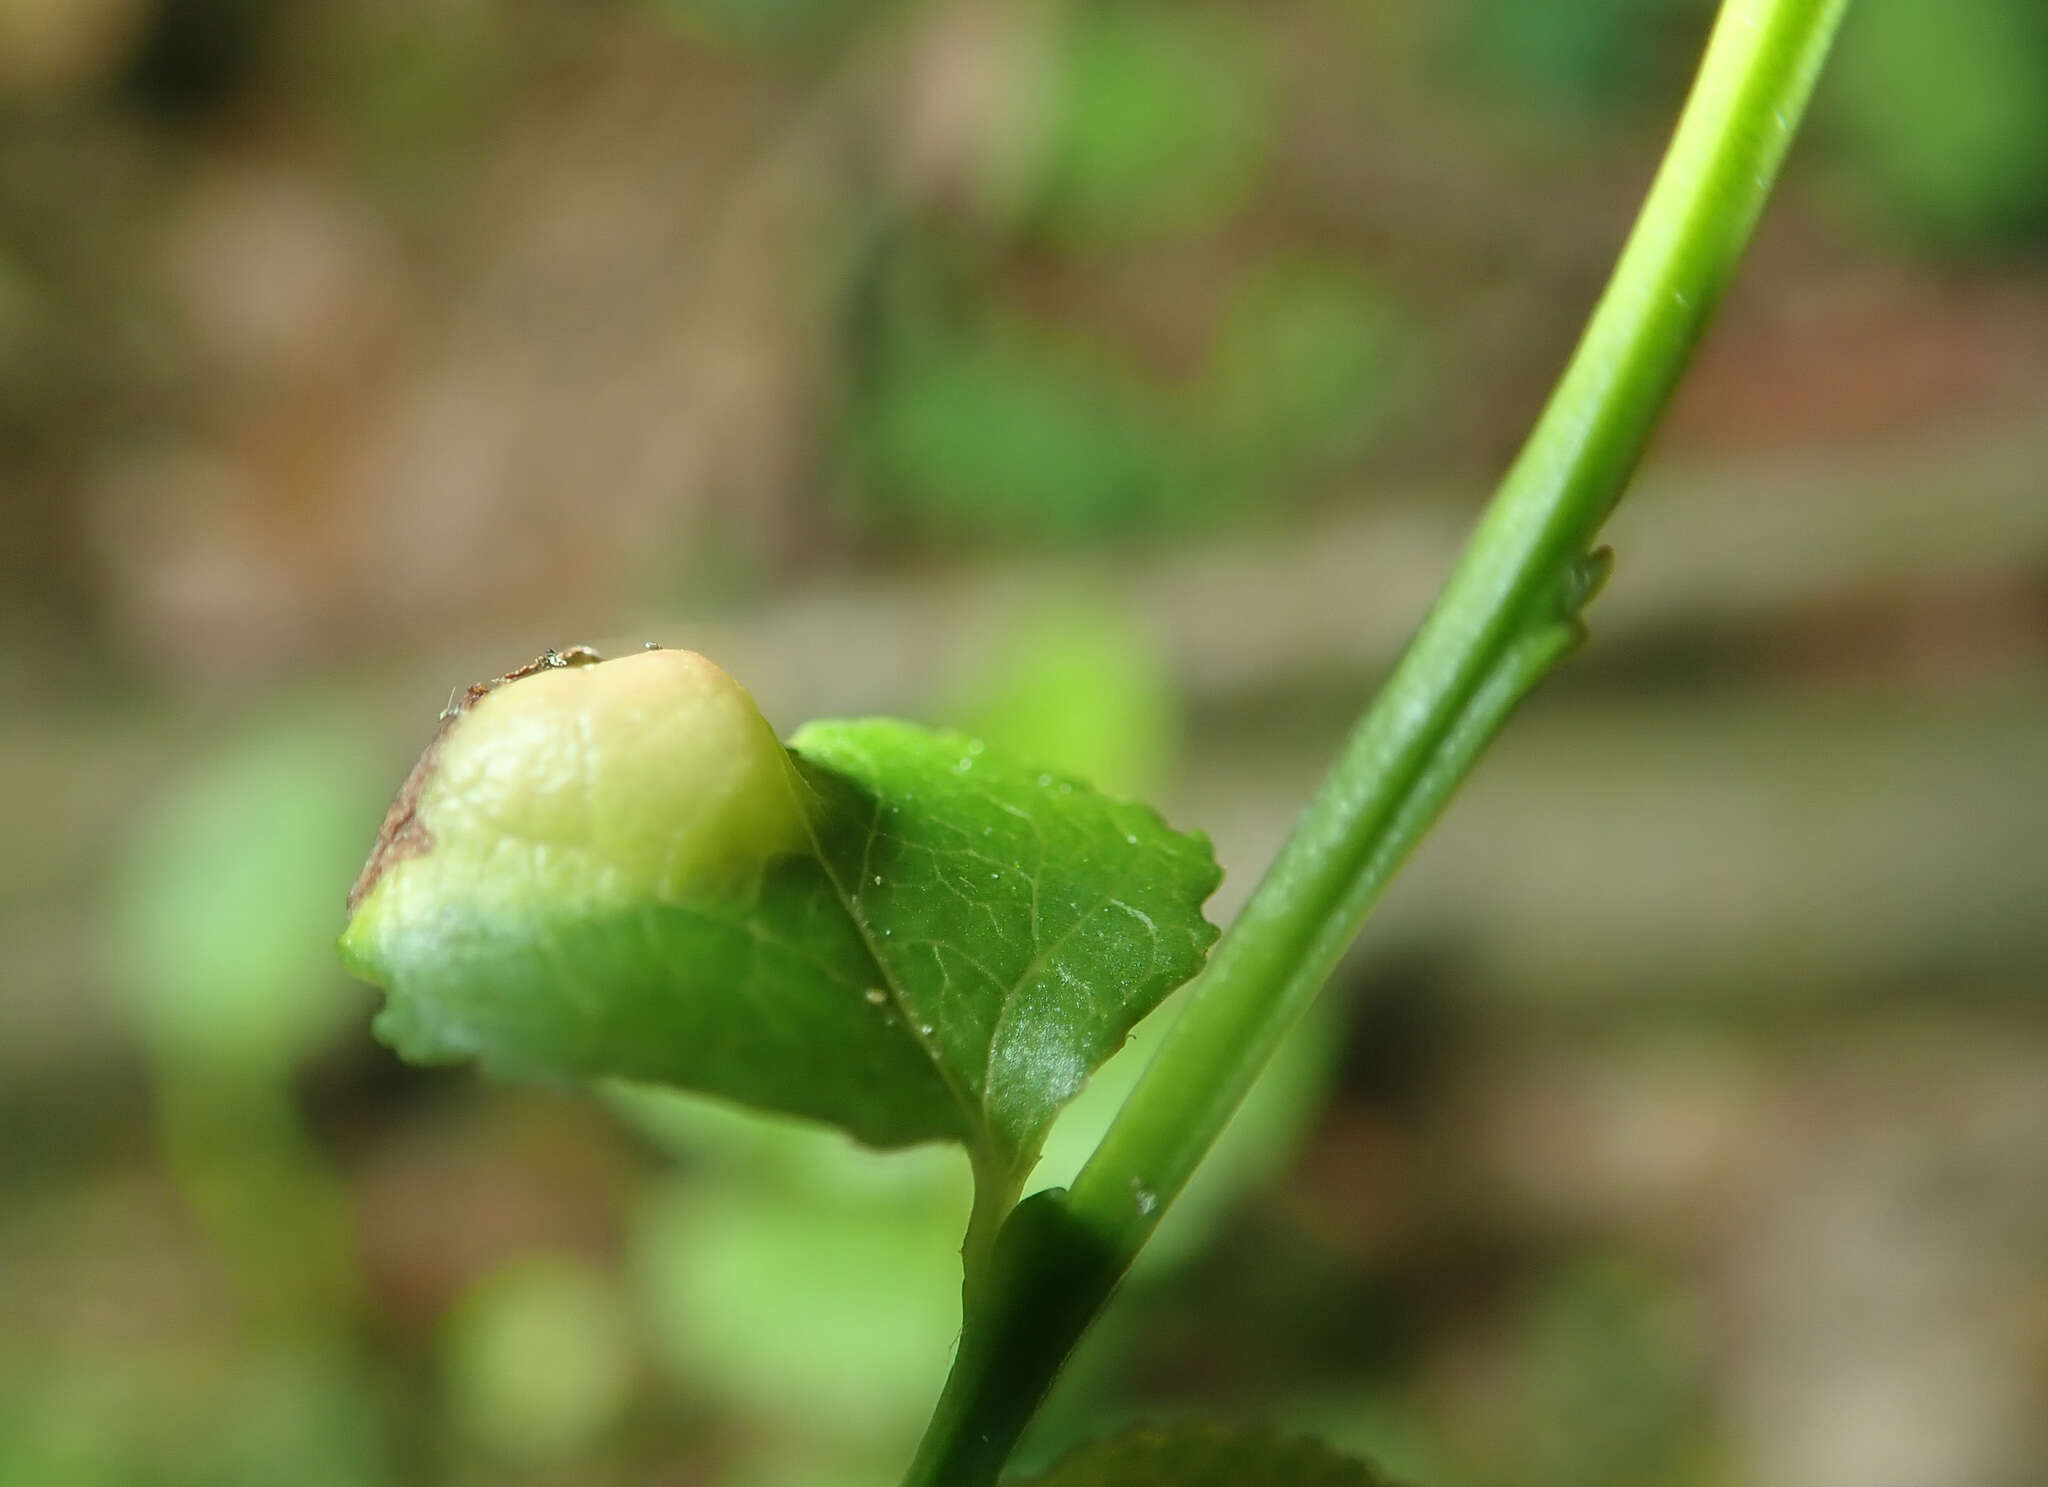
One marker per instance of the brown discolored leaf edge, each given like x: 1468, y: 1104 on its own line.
x: 402, y: 834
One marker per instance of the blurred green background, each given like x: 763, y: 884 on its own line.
x: 1114, y: 378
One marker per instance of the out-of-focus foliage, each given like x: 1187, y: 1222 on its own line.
x: 417, y: 97
x: 1160, y: 121
x: 1108, y: 378
x: 768, y: 25
x: 824, y: 1306
x: 537, y: 1361
x: 1945, y: 107
x: 1586, y: 57
x: 220, y: 929
x: 1004, y: 430
x: 205, y: 1422
x: 1200, y: 1456
x: 224, y: 919
x: 1070, y: 680
x: 1310, y: 362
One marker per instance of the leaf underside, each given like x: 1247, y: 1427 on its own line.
x: 970, y: 941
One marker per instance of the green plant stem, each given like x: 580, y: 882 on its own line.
x: 1506, y: 617
x: 995, y: 1193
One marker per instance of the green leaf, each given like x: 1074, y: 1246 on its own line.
x: 1207, y: 1456
x: 1023, y: 922
x: 613, y: 871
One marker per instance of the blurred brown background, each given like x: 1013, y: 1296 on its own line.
x: 1114, y: 378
